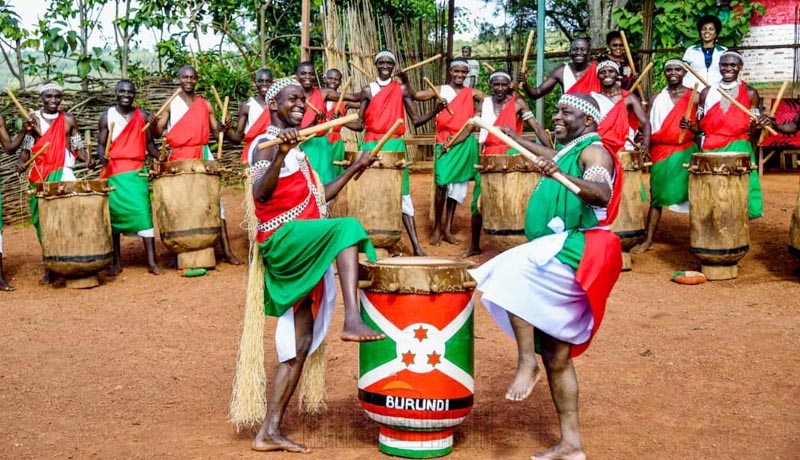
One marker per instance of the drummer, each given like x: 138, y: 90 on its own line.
x: 301, y: 290
x: 253, y: 117
x: 10, y: 148
x: 55, y: 164
x: 333, y: 80
x: 187, y: 123
x: 558, y: 283
x: 621, y: 112
x: 727, y: 128
x: 123, y: 166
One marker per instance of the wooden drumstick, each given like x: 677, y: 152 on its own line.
x: 641, y: 77
x: 311, y: 130
x: 388, y: 135
x: 773, y: 110
x: 311, y: 106
x: 108, y: 139
x: 421, y: 63
x: 438, y: 95
x: 696, y: 75
x: 743, y: 108
x: 216, y: 96
x: 360, y: 69
x: 633, y: 143
x: 341, y: 94
x: 163, y: 155
x: 630, y: 58
x: 488, y: 67
x: 466, y: 125
x: 163, y: 108
x: 22, y: 110
x: 88, y: 135
x: 689, y: 109
x: 524, y: 67
x: 222, y: 134
x: 35, y: 156
x: 522, y: 150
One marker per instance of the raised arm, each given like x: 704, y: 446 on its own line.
x: 555, y: 77
x: 524, y: 112
x: 633, y: 102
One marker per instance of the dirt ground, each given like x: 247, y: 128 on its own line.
x: 141, y: 367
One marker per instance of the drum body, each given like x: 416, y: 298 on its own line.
x: 629, y: 224
x: 794, y: 230
x: 376, y: 199
x: 75, y: 225
x: 507, y: 182
x: 718, y: 194
x: 418, y: 382
x: 186, y: 195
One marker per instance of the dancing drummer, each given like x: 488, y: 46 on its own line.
x: 296, y: 286
x: 558, y: 283
x: 504, y: 108
x: 253, y: 117
x: 671, y: 145
x: 454, y: 167
x: 725, y: 128
x: 10, y: 147
x: 621, y: 111
x: 123, y: 166
x: 56, y: 163
x: 333, y: 80
x: 577, y: 76
x: 187, y: 123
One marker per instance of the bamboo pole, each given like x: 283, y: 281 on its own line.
x: 641, y: 77
x: 382, y: 142
x: 519, y: 148
x: 422, y: 63
x: 773, y: 111
x: 163, y: 108
x: 630, y: 59
x: 436, y: 93
x: 35, y: 156
x: 743, y: 108
x: 311, y: 130
x: 22, y: 110
x: 688, y: 112
x: 222, y: 134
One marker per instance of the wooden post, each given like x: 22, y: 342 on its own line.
x: 305, y: 39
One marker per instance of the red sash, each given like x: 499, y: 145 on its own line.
x: 309, y: 118
x: 335, y: 134
x: 721, y: 129
x: 291, y: 191
x: 53, y: 158
x: 588, y: 83
x: 507, y: 117
x: 463, y: 107
x: 256, y: 129
x: 664, y: 142
x: 383, y: 110
x: 616, y: 125
x: 128, y: 150
x: 190, y: 134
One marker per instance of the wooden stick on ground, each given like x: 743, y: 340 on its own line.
x: 641, y: 77
x: 519, y: 148
x: 696, y: 75
x: 163, y: 108
x: 773, y: 110
x: 35, y: 156
x: 382, y: 142
x: 422, y: 63
x: 341, y: 94
x: 311, y: 130
x: 689, y: 112
x: 222, y: 134
x: 22, y: 110
x: 436, y: 92
x: 360, y: 69
x: 630, y: 59
x: 743, y: 108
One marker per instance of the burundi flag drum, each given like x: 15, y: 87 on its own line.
x: 418, y: 383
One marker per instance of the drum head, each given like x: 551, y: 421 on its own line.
x: 416, y: 275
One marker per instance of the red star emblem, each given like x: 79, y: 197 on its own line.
x: 434, y: 359
x: 420, y: 334
x: 408, y: 358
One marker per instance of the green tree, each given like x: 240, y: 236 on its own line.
x: 14, y: 40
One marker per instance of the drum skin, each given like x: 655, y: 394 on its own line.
x: 718, y: 201
x: 375, y: 199
x: 507, y: 182
x: 75, y: 225
x: 418, y: 382
x: 186, y: 197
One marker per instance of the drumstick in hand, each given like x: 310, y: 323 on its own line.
x: 774, y: 110
x: 35, y: 156
x: 382, y: 142
x: 22, y: 110
x: 688, y: 112
x: 422, y: 63
x: 222, y: 134
x: 311, y: 130
x: 743, y: 108
x: 436, y: 93
x: 163, y: 108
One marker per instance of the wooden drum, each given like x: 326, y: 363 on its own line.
x: 375, y: 199
x: 186, y: 196
x: 718, y: 193
x: 794, y: 231
x: 75, y: 226
x: 507, y: 182
x: 629, y: 224
x: 418, y: 382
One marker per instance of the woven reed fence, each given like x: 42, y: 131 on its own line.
x: 87, y: 108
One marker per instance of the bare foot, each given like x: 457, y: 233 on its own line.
x: 450, y: 238
x: 357, y: 331
x: 436, y: 238
x: 645, y: 246
x: 560, y: 452
x: 527, y: 377
x: 277, y: 442
x: 48, y: 278
x: 231, y: 259
x: 5, y: 286
x: 114, y: 270
x: 470, y: 252
x: 156, y: 269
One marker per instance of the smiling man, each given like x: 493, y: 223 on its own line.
x: 253, y: 117
x: 577, y: 76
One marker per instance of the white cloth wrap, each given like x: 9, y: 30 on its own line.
x: 531, y: 283
x: 661, y: 108
x: 606, y: 105
x: 1, y: 242
x: 457, y: 191
x: 177, y: 109
x: 408, y: 206
x: 285, y: 341
x: 487, y: 115
x: 568, y: 78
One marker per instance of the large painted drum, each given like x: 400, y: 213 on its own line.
x: 186, y: 199
x: 794, y: 230
x: 75, y: 226
x: 507, y: 182
x: 376, y: 199
x: 718, y: 193
x: 418, y: 382
x: 629, y: 224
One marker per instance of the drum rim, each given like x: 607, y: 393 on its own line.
x: 419, y: 262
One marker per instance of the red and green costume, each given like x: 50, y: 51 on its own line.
x: 588, y: 83
x: 507, y: 117
x: 457, y: 164
x: 335, y: 141
x: 384, y: 109
x: 189, y: 135
x: 317, y: 147
x: 729, y: 131
x: 256, y: 129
